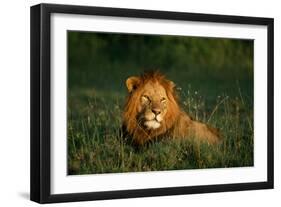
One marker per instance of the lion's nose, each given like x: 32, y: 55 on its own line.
x: 156, y: 111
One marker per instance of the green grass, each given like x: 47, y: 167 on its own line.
x: 95, y: 144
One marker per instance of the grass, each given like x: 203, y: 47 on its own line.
x: 95, y: 144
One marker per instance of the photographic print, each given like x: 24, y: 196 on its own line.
x: 132, y: 103
x: 140, y: 102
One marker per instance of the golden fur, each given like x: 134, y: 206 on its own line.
x: 152, y: 111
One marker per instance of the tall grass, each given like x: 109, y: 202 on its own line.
x: 96, y: 146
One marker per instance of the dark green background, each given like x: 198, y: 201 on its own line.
x: 96, y: 57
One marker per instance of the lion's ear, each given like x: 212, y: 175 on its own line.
x: 172, y: 84
x: 132, y: 83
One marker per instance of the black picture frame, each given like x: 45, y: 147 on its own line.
x: 41, y: 96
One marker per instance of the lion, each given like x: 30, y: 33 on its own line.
x: 152, y: 111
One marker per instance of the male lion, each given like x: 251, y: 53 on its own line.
x: 152, y: 111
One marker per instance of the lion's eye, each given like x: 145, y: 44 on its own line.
x: 163, y: 100
x: 145, y: 99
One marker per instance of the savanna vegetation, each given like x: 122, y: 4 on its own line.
x: 214, y: 80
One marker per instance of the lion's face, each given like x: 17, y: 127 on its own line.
x: 153, y: 105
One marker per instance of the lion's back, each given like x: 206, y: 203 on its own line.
x: 186, y: 127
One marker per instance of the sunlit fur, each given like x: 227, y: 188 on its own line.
x: 152, y: 111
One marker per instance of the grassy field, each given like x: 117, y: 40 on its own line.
x: 220, y: 94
